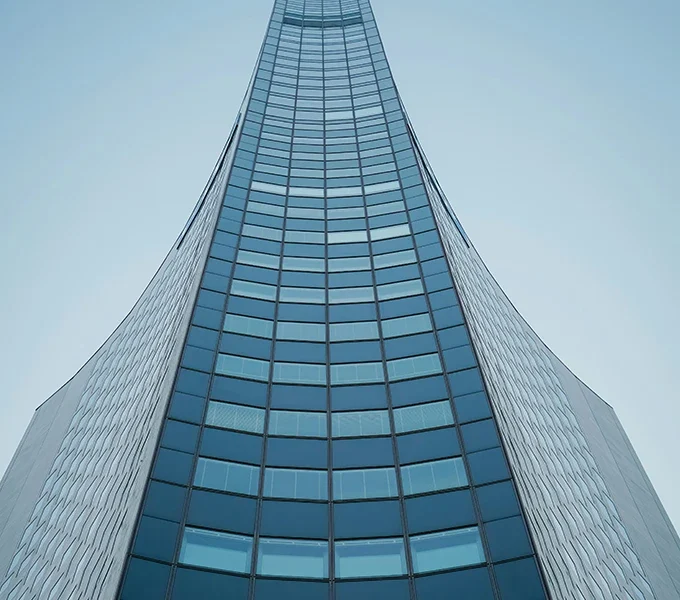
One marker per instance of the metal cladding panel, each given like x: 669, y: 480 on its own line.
x: 94, y: 466
x: 646, y: 523
x: 582, y: 540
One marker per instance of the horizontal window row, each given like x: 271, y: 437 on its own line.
x: 320, y: 265
x: 353, y: 559
x: 341, y: 374
x: 344, y: 295
x: 311, y: 484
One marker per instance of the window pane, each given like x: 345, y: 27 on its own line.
x: 253, y: 290
x: 257, y: 259
x: 405, y: 257
x: 357, y: 373
x: 235, y: 416
x: 423, y: 416
x: 242, y: 367
x: 446, y: 550
x: 303, y: 264
x: 342, y: 237
x: 308, y: 332
x: 292, y: 558
x: 216, y: 550
x: 417, y: 366
x: 297, y: 484
x: 350, y: 295
x: 227, y: 476
x: 248, y: 326
x: 297, y: 424
x: 400, y: 290
x: 336, y: 265
x: 306, y: 374
x: 432, y: 476
x: 385, y: 233
x: 366, y: 330
x: 406, y: 325
x: 302, y: 295
x: 370, y: 558
x: 364, y: 483
x: 370, y: 422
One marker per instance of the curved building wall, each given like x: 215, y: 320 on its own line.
x: 324, y: 394
x: 71, y: 494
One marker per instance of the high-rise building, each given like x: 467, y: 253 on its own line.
x: 323, y: 393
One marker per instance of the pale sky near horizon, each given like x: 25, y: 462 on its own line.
x: 554, y: 129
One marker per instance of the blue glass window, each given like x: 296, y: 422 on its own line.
x: 292, y: 558
x: 305, y: 374
x: 358, y: 484
x: 298, y: 484
x: 417, y: 366
x: 253, y: 290
x: 370, y: 558
x: 400, y: 290
x: 432, y: 476
x: 227, y: 476
x: 370, y: 372
x: 248, y: 326
x: 216, y: 550
x: 365, y: 330
x: 355, y: 424
x: 406, y: 325
x: 297, y: 423
x: 446, y: 550
x: 350, y: 295
x: 422, y: 416
x: 312, y: 332
x: 235, y: 416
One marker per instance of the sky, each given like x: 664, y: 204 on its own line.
x: 554, y: 129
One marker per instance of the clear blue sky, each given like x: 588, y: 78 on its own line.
x: 553, y: 127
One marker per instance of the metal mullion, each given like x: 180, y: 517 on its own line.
x: 393, y: 436
x: 265, y: 435
x: 473, y: 494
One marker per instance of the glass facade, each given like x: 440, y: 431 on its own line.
x: 346, y: 414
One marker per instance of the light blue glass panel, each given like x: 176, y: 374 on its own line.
x: 305, y: 237
x: 346, y: 213
x: 446, y: 550
x: 406, y: 325
x: 370, y: 558
x: 263, y: 233
x: 291, y: 263
x: 238, y: 366
x: 297, y: 423
x: 361, y: 423
x: 258, y: 259
x: 306, y: 374
x: 248, y: 326
x: 356, y: 484
x: 400, y: 289
x: 302, y: 295
x: 338, y: 265
x: 235, y: 416
x: 306, y: 213
x: 351, y: 295
x: 386, y: 209
x: 393, y: 259
x: 432, y: 476
x: 265, y: 209
x: 363, y: 330
x: 371, y: 372
x: 292, y: 558
x: 422, y: 416
x: 299, y: 484
x: 385, y: 233
x: 347, y: 237
x: 311, y: 332
x: 227, y: 476
x: 216, y: 550
x: 416, y: 366
x: 249, y: 289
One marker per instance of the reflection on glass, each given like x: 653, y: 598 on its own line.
x: 446, y: 550
x: 292, y: 558
x: 300, y: 484
x: 216, y: 550
x: 435, y: 475
x: 370, y: 558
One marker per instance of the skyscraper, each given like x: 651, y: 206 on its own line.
x: 323, y: 393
